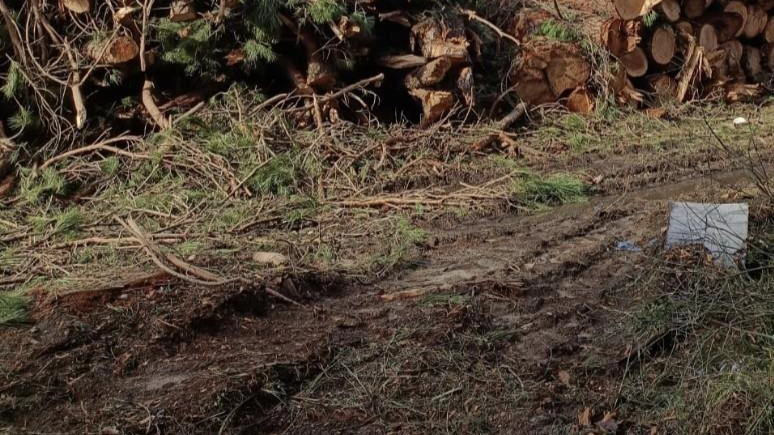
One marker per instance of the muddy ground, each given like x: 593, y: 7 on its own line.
x: 508, y: 324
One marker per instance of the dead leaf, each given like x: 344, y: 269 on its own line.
x: 564, y: 377
x: 77, y: 6
x: 271, y: 258
x: 608, y: 423
x: 584, y: 417
x: 234, y: 57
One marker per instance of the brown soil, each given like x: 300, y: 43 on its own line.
x: 518, y: 331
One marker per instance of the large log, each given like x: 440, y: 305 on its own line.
x: 739, y: 8
x: 567, y: 69
x: 663, y: 45
x: 635, y: 62
x: 631, y: 9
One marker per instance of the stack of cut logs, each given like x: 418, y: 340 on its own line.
x: 438, y: 69
x: 679, y: 49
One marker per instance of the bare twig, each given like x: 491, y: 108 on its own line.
x: 472, y: 15
x: 377, y: 79
x: 502, y: 124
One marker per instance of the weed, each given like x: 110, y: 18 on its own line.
x: 110, y: 165
x: 404, y: 239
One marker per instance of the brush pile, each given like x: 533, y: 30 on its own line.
x: 75, y: 70
x: 673, y: 49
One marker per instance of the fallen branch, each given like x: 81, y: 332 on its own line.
x: 413, y: 293
x: 101, y: 146
x: 502, y: 124
x: 153, y: 110
x: 472, y: 15
x: 358, y: 85
x: 686, y: 75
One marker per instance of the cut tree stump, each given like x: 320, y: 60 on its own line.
x: 663, y: 45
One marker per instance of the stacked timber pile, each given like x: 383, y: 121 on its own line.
x: 691, y: 48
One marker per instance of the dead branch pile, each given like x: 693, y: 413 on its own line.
x: 686, y: 49
x: 77, y: 71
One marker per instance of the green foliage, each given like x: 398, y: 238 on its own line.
x: 14, y: 81
x: 22, y: 120
x: 13, y: 309
x: 66, y: 222
x: 110, y: 165
x: 277, y: 176
x: 192, y: 45
x: 35, y: 187
x: 557, y: 189
x: 559, y: 31
x: 650, y: 19
x: 322, y: 11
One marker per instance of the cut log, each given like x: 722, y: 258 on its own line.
x: 768, y: 54
x: 663, y: 85
x: 708, y: 37
x: 768, y: 33
x: 465, y: 85
x: 757, y: 20
x: 635, y: 62
x: 631, y: 9
x: 690, y: 68
x: 619, y: 36
x: 726, y: 24
x: 718, y: 64
x: 694, y: 8
x: 567, y: 70
x: 739, y: 8
x: 430, y: 74
x: 77, y: 6
x: 734, y: 48
x: 663, y: 45
x: 752, y: 62
x: 434, y: 103
x: 436, y: 38
x: 119, y: 50
x: 684, y: 27
x: 182, y: 10
x: 531, y: 85
x: 580, y: 101
x: 669, y: 9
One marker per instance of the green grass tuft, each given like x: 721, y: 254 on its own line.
x: 13, y: 309
x: 554, y: 190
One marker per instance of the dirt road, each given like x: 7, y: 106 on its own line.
x: 514, y: 327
